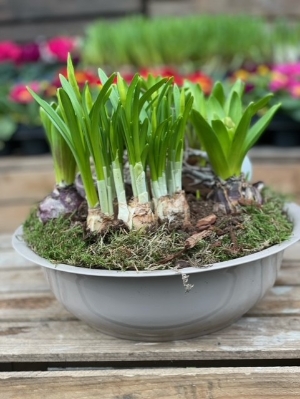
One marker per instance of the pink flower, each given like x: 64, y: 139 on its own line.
x: 285, y: 77
x: 57, y: 49
x: 294, y: 89
x: 29, y: 53
x: 9, y: 51
x: 20, y: 94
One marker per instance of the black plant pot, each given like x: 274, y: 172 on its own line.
x: 283, y: 131
x: 30, y: 140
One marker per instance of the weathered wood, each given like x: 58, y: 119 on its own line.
x: 189, y: 383
x: 292, y: 253
x: 24, y: 20
x: 28, y: 186
x: 282, y: 178
x: 31, y: 306
x: 23, y: 280
x: 269, y: 8
x: 170, y: 7
x: 74, y: 341
x: 288, y: 275
x: 5, y: 242
x: 35, y: 9
x: 280, y: 300
x: 12, y: 216
x: 9, y: 260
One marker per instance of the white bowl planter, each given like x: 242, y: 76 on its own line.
x: 154, y: 306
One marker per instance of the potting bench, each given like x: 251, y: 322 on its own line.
x: 46, y: 352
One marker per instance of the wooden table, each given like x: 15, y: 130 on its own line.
x: 46, y: 353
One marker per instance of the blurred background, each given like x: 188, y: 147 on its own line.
x: 199, y: 40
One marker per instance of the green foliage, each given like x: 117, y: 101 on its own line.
x: 216, y: 43
x: 224, y: 127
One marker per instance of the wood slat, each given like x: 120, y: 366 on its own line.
x: 190, y: 383
x: 269, y: 8
x: 12, y: 216
x: 33, y: 306
x: 288, y: 275
x: 74, y: 341
x: 23, y: 280
x: 9, y: 260
x: 280, y: 300
x: 284, y: 178
x: 35, y: 9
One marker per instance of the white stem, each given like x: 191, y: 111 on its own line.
x: 123, y: 212
x: 140, y: 181
x: 133, y: 183
x: 163, y: 184
x: 106, y: 208
x: 155, y: 189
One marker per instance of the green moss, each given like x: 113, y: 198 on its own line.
x: 65, y: 241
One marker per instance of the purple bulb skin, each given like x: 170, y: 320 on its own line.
x: 60, y: 202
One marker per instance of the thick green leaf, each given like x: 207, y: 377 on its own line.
x: 258, y: 128
x: 236, y: 155
x: 238, y: 88
x: 218, y: 93
x: 223, y: 135
x: 212, y: 145
x: 235, y: 108
x: 258, y: 105
x: 72, y: 77
x: 214, y: 109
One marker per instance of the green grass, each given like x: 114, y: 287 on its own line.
x: 65, y: 240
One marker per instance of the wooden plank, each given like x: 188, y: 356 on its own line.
x: 29, y: 31
x: 282, y: 178
x: 170, y: 7
x: 25, y: 186
x: 74, y: 341
x: 288, y: 275
x: 39, y: 162
x: 23, y: 280
x: 292, y: 253
x: 12, y: 216
x: 37, y: 306
x: 35, y: 9
x: 271, y: 8
x: 181, y: 383
x: 9, y: 260
x: 5, y: 241
x: 280, y: 300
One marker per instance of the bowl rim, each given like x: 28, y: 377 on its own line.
x: 292, y: 209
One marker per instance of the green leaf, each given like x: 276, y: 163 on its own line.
x: 237, y: 88
x: 235, y: 108
x: 223, y: 136
x: 218, y: 93
x: 72, y: 78
x: 212, y: 145
x: 258, y: 128
x: 261, y: 103
x: 236, y: 157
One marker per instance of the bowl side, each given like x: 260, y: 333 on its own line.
x: 156, y: 309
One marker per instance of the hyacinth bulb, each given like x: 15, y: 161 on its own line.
x: 62, y: 201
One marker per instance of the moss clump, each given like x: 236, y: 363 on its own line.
x: 64, y: 240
